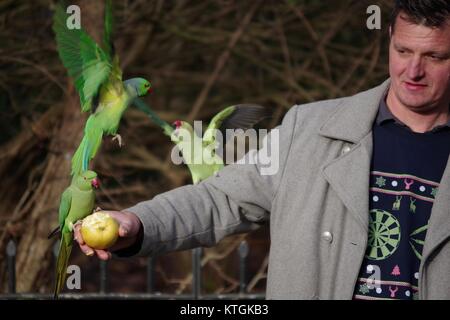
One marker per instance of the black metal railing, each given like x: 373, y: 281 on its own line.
x: 196, y: 294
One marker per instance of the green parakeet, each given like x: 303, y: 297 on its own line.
x: 77, y: 202
x: 98, y: 79
x: 199, y: 152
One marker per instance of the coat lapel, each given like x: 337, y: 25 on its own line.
x: 439, y: 223
x: 349, y: 174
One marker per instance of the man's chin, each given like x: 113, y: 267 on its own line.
x: 412, y: 100
x: 416, y: 104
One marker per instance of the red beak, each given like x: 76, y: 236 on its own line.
x: 95, y: 183
x: 177, y: 124
x: 150, y: 90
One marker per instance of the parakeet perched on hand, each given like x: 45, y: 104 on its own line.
x: 98, y: 80
x: 199, y: 152
x: 77, y: 202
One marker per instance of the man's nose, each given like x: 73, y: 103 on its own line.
x: 416, y: 68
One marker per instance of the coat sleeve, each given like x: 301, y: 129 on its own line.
x: 237, y: 200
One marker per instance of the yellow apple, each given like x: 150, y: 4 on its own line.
x: 99, y: 230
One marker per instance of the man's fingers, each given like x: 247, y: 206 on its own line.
x: 87, y: 250
x: 103, y: 255
x: 77, y: 234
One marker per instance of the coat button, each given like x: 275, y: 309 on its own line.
x: 345, y: 149
x: 327, y: 236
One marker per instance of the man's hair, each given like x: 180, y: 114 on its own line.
x: 430, y: 13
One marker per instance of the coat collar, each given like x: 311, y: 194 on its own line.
x: 354, y: 117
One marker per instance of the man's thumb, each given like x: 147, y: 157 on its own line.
x: 123, y: 231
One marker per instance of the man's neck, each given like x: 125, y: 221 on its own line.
x: 417, y: 122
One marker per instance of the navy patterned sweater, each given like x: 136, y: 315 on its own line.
x: 405, y: 173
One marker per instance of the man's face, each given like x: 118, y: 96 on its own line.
x: 419, y: 65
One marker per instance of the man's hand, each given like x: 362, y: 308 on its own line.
x: 129, y: 227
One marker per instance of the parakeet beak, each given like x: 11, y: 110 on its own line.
x: 149, y: 90
x: 95, y: 183
x: 176, y: 124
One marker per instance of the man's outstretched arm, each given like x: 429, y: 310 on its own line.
x: 238, y: 200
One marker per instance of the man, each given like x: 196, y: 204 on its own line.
x: 360, y: 207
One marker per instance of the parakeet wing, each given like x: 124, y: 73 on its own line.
x: 64, y: 206
x: 85, y: 61
x: 244, y: 116
x: 218, y: 119
x: 241, y: 116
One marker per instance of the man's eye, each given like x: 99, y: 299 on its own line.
x: 437, y: 58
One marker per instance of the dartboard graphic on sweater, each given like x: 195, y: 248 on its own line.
x: 384, y: 234
x: 400, y: 207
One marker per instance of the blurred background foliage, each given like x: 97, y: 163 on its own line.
x: 201, y: 56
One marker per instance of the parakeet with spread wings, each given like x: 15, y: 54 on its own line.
x: 199, y: 153
x: 98, y: 79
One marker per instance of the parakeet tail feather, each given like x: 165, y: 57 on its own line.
x: 141, y: 105
x: 87, y: 149
x: 65, y: 249
x: 55, y: 231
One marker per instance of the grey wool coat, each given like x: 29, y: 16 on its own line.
x: 317, y: 205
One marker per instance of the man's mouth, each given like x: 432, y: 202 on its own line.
x: 412, y: 86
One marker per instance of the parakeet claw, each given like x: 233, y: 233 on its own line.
x: 73, y: 225
x: 98, y: 209
x: 118, y: 138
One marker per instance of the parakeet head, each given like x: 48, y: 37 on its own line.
x: 182, y: 128
x: 87, y: 180
x: 138, y: 87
